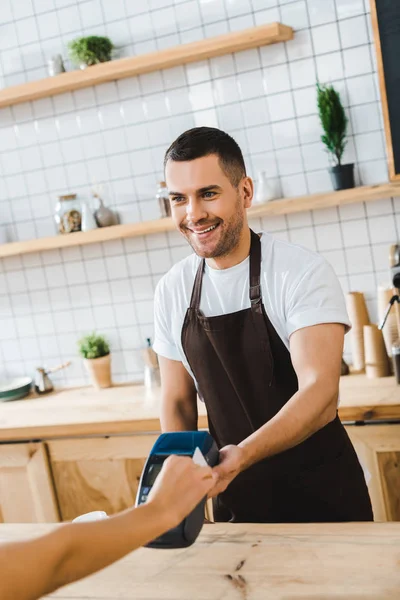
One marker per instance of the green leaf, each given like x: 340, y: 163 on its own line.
x: 333, y: 121
x: 93, y: 346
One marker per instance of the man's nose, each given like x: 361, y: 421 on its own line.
x: 195, y: 211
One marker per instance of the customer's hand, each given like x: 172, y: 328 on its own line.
x: 179, y: 488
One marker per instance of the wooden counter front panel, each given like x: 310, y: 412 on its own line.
x: 98, y: 473
x: 378, y: 447
x: 26, y: 488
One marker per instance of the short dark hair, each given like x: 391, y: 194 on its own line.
x: 203, y: 141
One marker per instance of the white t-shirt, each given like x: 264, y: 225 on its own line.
x: 299, y: 289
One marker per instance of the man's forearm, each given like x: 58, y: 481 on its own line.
x: 179, y: 415
x: 34, y: 568
x: 307, y: 411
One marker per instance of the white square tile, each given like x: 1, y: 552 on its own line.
x: 156, y: 106
x: 11, y: 163
x: 121, y: 290
x: 77, y: 174
x: 305, y: 101
x: 302, y: 72
x: 125, y: 315
x: 300, y: 46
x: 91, y: 14
x: 359, y: 260
x: 293, y: 185
x: 361, y: 89
x: 104, y: 316
x: 96, y: 270
x: 263, y: 17
x: 352, y: 211
x: 295, y: 14
x: 222, y: 66
x: 75, y: 273
x: 314, y: 156
x: 230, y: 117
x: 365, y: 117
x: 189, y: 17
x: 46, y: 130
x: 319, y: 181
x: 369, y: 146
x: 380, y: 256
x: 250, y: 85
x: 259, y: 138
x: 215, y: 29
x: 242, y: 22
x: 226, y: 90
x: 27, y: 30
x: 364, y: 283
x: 325, y: 38
x: 274, y: 223
x: 25, y: 327
x: 280, y: 107
x: 247, y: 60
x: 116, y: 267
x: 299, y: 220
x: 111, y: 116
x: 355, y: 233
x: 377, y: 208
x: 69, y: 20
x: 36, y: 279
x: 357, y: 61
x: 119, y: 166
x: 16, y: 282
x: 383, y: 229
x: 329, y: 67
x: 88, y: 121
x: 321, y: 12
x: 144, y: 311
x: 353, y: 32
x: 142, y: 162
x: 100, y: 293
x: 303, y: 237
x: 48, y: 25
x: 25, y: 231
x: 309, y: 129
x: 51, y: 154
x: 36, y: 182
x: 336, y: 259
x: 285, y: 134
x: 138, y: 263
x: 160, y: 261
x: 235, y: 8
x: 289, y: 161
x: 255, y: 112
x: 276, y: 79
x: 328, y: 237
x: 349, y: 8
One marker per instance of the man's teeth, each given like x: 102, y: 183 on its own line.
x: 207, y: 230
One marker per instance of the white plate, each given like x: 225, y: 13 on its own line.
x: 14, y: 384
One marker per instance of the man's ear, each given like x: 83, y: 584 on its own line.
x: 248, y: 191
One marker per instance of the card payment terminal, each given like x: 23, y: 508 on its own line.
x: 182, y: 443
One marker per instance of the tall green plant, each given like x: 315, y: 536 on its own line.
x: 93, y: 346
x: 90, y: 50
x: 333, y: 121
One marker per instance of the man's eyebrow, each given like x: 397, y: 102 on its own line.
x: 202, y: 190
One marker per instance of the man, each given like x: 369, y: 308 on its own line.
x: 256, y: 327
x: 32, y: 569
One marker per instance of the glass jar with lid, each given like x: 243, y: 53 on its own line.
x: 162, y: 196
x: 68, y: 214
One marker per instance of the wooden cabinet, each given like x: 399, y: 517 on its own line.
x: 378, y: 447
x: 26, y: 487
x: 98, y: 473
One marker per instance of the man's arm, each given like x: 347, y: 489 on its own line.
x: 316, y: 356
x: 178, y: 397
x: 31, y: 569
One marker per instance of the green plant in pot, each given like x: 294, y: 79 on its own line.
x: 334, y: 124
x: 96, y: 355
x: 87, y: 51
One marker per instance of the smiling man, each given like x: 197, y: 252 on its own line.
x: 255, y: 327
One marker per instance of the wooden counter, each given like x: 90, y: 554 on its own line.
x: 251, y: 562
x: 131, y: 409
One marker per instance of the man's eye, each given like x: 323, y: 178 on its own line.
x: 177, y: 199
x: 209, y: 194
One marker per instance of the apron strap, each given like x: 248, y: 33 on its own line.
x: 255, y: 269
x: 196, y: 291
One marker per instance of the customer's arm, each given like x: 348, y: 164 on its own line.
x: 31, y: 569
x: 179, y: 397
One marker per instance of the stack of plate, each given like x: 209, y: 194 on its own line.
x: 14, y: 389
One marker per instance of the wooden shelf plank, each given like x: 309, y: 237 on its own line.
x: 154, y: 61
x: 275, y: 207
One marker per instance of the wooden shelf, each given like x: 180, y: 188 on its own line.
x: 275, y: 207
x: 145, y: 63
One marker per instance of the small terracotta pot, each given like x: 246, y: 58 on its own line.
x: 99, y: 370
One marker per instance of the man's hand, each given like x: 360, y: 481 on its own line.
x: 232, y: 461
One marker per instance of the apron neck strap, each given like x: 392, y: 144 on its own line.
x: 255, y: 269
x: 254, y: 282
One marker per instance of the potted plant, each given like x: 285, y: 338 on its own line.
x: 97, y: 359
x: 334, y: 124
x: 87, y: 51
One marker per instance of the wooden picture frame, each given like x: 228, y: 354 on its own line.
x: 393, y: 176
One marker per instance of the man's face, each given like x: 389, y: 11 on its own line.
x: 206, y: 208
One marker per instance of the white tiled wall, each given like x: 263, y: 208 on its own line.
x: 116, y: 134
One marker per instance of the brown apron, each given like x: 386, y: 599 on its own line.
x: 245, y: 376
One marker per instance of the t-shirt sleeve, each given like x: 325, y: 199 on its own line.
x: 316, y: 298
x: 164, y: 343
